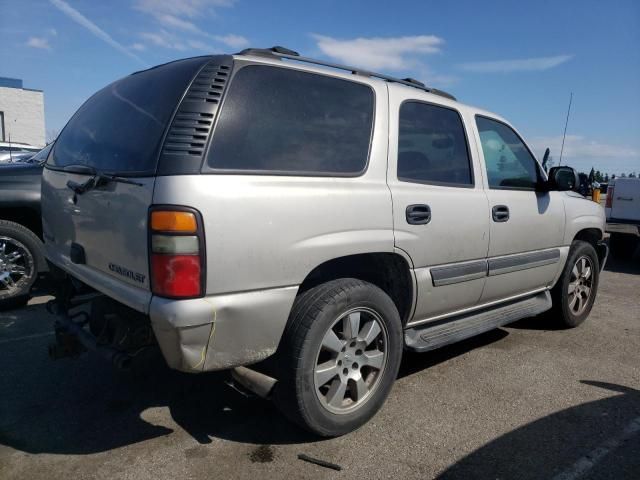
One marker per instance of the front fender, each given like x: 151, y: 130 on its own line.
x: 583, y: 222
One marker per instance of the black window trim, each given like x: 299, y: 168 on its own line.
x: 539, y: 176
x: 238, y: 65
x: 466, y: 140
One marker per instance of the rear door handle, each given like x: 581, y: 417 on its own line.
x: 418, y: 214
x: 500, y: 213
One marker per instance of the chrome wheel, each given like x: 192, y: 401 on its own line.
x: 351, y: 360
x: 580, y: 285
x: 16, y: 267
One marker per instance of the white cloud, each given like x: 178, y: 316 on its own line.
x: 580, y: 147
x: 231, y: 40
x: 137, y: 46
x: 163, y: 39
x: 177, y: 16
x: 53, y: 32
x: 378, y: 53
x: 182, y: 8
x: 200, y: 45
x: 38, y: 42
x: 171, y: 21
x: 77, y: 17
x: 518, y: 65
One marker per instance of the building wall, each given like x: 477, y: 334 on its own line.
x: 23, y: 115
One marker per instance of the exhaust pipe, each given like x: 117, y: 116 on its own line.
x: 254, y: 381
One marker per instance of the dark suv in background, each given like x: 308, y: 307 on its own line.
x: 21, y: 248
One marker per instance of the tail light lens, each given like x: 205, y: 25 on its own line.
x: 609, y: 199
x: 176, y: 241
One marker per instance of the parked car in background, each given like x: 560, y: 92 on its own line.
x: 18, y: 157
x: 239, y: 207
x: 11, y: 152
x: 622, y: 208
x: 603, y: 187
x: 585, y: 189
x: 21, y: 248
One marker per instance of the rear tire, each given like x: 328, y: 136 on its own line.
x: 339, y: 356
x: 576, y: 289
x: 623, y: 245
x: 20, y: 255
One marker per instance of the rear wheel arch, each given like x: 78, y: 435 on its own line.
x: 391, y: 272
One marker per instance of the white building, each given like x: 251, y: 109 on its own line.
x: 21, y: 113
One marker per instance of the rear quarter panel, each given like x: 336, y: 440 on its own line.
x: 267, y: 231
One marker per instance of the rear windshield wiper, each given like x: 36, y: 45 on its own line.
x: 103, y: 179
x: 97, y: 180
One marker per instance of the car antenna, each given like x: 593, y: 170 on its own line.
x: 565, y: 128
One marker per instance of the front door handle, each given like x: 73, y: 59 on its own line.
x: 418, y: 214
x: 500, y: 213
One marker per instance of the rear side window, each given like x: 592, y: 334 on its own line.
x: 507, y: 159
x: 277, y: 120
x: 120, y: 128
x: 432, y: 146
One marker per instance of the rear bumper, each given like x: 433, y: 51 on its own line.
x: 216, y: 332
x: 620, y: 226
x: 221, y: 331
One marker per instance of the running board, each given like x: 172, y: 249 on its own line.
x: 437, y: 334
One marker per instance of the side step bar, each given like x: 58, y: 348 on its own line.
x: 430, y: 336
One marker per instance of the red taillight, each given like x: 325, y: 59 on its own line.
x: 176, y: 253
x: 175, y: 275
x: 609, y: 199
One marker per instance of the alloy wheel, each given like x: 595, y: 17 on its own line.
x: 580, y: 285
x: 351, y: 360
x: 16, y: 267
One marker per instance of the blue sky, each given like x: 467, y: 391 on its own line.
x: 519, y: 59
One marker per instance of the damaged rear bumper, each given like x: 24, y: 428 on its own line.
x: 221, y: 331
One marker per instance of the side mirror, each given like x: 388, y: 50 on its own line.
x: 563, y: 179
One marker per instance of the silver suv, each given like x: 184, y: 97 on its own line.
x: 232, y: 208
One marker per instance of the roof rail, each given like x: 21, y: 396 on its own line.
x: 282, y: 52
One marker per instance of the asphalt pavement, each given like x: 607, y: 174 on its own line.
x: 526, y: 401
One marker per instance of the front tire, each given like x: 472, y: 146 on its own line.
x: 339, y: 356
x: 575, y: 292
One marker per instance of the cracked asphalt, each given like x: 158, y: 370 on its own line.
x: 526, y: 401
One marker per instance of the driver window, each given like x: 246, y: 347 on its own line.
x: 508, y: 162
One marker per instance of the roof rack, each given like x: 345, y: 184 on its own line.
x: 282, y: 52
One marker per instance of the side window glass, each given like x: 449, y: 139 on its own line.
x: 432, y: 146
x: 508, y: 162
x: 293, y: 122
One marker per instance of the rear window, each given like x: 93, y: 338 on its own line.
x: 277, y: 120
x: 120, y: 128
